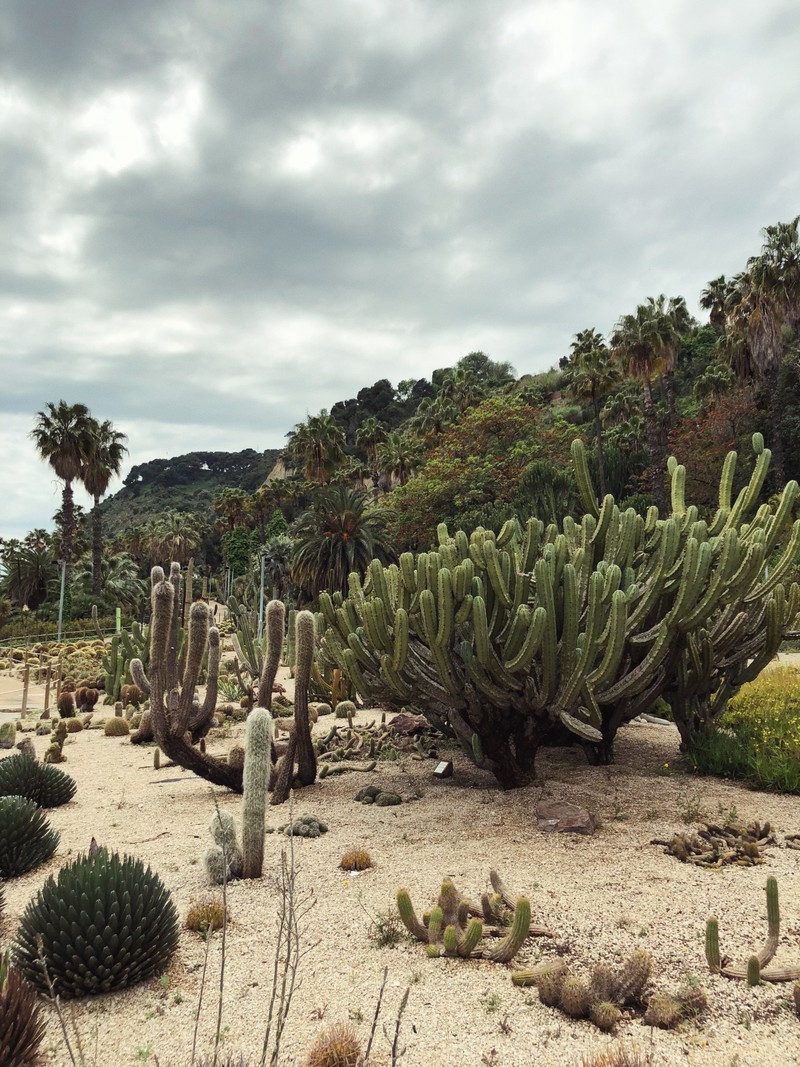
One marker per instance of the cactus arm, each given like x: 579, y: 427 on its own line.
x: 510, y: 945
x: 581, y: 468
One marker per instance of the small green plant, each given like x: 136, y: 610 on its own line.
x: 143, y: 1053
x: 491, y: 1002
x: 386, y: 929
x: 204, y: 915
x: 690, y: 805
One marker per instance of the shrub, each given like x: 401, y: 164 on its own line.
x: 26, y: 837
x: 116, y: 727
x: 336, y: 1046
x: 21, y: 1023
x: 759, y: 735
x: 357, y: 859
x: 104, y: 922
x: 205, y: 915
x: 45, y: 785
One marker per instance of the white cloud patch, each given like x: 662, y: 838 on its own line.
x: 217, y: 218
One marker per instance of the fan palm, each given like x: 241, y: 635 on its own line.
x: 339, y: 533
x: 28, y: 570
x: 370, y: 434
x: 638, y: 346
x: 590, y: 376
x: 122, y: 585
x: 177, y: 534
x: 399, y: 455
x: 102, y: 463
x: 713, y: 300
x: 318, y: 444
x: 63, y: 435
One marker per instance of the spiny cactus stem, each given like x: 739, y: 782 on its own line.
x: 276, y: 616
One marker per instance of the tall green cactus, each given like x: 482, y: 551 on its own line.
x: 257, y: 765
x: 514, y: 640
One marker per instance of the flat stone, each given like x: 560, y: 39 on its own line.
x: 560, y: 817
x: 408, y: 725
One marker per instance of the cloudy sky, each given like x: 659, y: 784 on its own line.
x: 218, y: 217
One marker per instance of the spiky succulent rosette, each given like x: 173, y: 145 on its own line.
x: 26, y: 837
x: 21, y: 1023
x: 104, y: 922
x: 44, y: 784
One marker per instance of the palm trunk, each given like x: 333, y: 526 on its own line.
x: 669, y: 389
x: 653, y: 446
x: 97, y: 549
x: 775, y: 401
x: 67, y: 520
x: 598, y: 432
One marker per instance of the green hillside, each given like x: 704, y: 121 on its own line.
x: 183, y: 483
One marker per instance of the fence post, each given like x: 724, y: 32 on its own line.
x: 26, y: 680
x: 46, y: 712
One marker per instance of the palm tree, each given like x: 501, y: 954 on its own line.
x: 590, y: 376
x: 121, y: 582
x: 318, y: 443
x: 370, y: 434
x: 28, y: 570
x: 339, y: 533
x: 63, y: 435
x: 177, y: 534
x: 462, y: 387
x: 103, y: 462
x: 399, y: 454
x: 433, y: 414
x: 674, y: 324
x: 277, y: 554
x: 713, y: 300
x: 638, y: 346
x: 762, y: 316
x: 715, y: 380
x: 232, y: 506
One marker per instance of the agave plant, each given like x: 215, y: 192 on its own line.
x: 21, y: 1023
x: 26, y: 837
x: 104, y: 922
x: 44, y: 784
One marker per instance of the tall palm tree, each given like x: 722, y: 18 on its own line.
x: 103, y: 462
x: 232, y: 506
x: 433, y: 414
x: 63, y: 435
x: 339, y: 533
x: 318, y: 443
x: 762, y: 317
x: 177, y: 534
x: 399, y: 455
x: 370, y: 434
x: 462, y: 387
x: 713, y: 300
x: 642, y: 344
x: 715, y: 380
x: 673, y: 323
x: 590, y: 376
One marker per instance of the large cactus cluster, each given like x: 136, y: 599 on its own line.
x: 516, y: 639
x: 178, y: 719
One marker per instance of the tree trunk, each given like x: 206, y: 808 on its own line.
x: 669, y: 389
x: 653, y: 446
x: 68, y: 521
x: 97, y: 549
x: 775, y: 401
x: 598, y: 432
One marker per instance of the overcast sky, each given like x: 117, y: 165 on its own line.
x: 216, y: 217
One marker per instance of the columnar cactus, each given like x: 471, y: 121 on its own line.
x: 756, y: 968
x: 516, y: 639
x: 257, y: 766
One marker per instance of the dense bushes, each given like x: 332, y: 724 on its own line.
x: 759, y: 735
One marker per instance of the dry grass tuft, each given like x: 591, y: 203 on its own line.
x: 357, y: 859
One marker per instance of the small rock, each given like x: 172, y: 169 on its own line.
x: 560, y: 817
x: 408, y: 725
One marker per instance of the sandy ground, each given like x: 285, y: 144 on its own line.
x: 604, y: 896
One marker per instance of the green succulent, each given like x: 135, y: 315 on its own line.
x: 44, y: 784
x: 103, y: 923
x: 26, y: 837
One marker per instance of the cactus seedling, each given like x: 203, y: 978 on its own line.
x: 455, y: 926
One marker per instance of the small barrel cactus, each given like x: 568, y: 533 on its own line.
x: 26, y: 837
x: 116, y: 727
x: 104, y: 922
x: 47, y: 786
